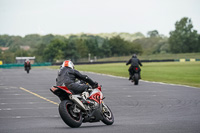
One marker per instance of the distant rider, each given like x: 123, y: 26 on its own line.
x: 67, y: 76
x: 27, y: 65
x: 135, y: 62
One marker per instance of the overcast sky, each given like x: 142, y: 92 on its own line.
x: 22, y: 17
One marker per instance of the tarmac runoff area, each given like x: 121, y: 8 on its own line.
x: 27, y: 105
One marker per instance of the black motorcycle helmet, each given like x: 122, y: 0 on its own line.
x: 134, y: 56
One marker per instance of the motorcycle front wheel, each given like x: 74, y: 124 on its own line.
x: 67, y: 114
x: 108, y: 117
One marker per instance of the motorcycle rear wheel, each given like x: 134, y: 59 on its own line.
x: 27, y: 70
x: 136, y: 79
x: 72, y: 119
x: 108, y: 117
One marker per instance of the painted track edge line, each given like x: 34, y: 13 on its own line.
x: 38, y: 96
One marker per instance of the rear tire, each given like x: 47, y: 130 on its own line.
x: 72, y: 119
x: 136, y: 78
x: 108, y: 117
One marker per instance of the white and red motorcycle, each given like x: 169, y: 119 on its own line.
x: 75, y: 109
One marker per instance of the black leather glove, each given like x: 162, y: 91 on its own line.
x: 95, y: 85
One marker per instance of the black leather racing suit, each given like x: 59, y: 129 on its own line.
x: 27, y: 65
x: 67, y: 77
x: 135, y: 62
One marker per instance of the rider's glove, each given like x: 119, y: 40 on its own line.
x: 95, y: 85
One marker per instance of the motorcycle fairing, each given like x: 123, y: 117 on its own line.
x: 61, y: 92
x: 96, y: 95
x: 55, y: 88
x: 65, y: 89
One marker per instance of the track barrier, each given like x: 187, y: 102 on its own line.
x: 97, y: 62
x: 22, y: 65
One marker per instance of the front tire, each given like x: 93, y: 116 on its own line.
x: 72, y: 119
x: 108, y: 117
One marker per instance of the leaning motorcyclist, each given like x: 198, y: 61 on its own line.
x: 135, y: 62
x: 67, y: 76
x: 27, y: 64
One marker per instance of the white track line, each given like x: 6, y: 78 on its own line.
x: 143, y: 80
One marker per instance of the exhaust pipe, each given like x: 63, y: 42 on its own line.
x: 78, y: 102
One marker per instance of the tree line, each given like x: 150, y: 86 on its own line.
x: 52, y: 48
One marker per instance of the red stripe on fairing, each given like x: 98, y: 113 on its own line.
x: 97, y: 97
x: 65, y: 89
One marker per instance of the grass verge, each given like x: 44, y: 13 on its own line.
x: 185, y: 73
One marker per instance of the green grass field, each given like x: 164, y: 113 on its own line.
x: 185, y: 73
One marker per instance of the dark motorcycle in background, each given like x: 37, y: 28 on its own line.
x: 136, y: 75
x: 89, y: 106
x: 27, y: 66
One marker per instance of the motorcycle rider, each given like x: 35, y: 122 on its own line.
x: 67, y: 76
x: 135, y: 62
x: 27, y: 64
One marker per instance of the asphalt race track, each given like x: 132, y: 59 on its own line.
x: 27, y: 105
